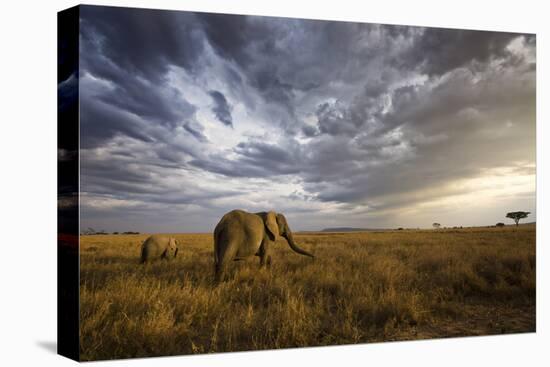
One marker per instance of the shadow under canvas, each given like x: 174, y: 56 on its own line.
x: 48, y: 345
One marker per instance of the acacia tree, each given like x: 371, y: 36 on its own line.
x: 517, y: 216
x: 436, y: 225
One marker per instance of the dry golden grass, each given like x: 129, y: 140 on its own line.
x: 362, y: 287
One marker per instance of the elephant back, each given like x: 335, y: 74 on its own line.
x: 153, y: 246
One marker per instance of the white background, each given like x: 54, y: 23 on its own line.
x: 28, y: 182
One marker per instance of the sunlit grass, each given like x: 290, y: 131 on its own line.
x: 361, y: 287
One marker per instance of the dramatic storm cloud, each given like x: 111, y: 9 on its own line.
x: 221, y: 108
x: 185, y: 116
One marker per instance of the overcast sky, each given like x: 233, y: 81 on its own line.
x: 185, y: 116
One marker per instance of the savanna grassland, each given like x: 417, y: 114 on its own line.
x: 361, y: 287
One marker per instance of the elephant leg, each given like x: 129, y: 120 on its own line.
x: 219, y: 268
x: 265, y: 255
x: 262, y: 253
x: 219, y: 272
x: 226, y: 256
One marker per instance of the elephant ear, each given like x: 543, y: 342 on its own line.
x: 271, y: 225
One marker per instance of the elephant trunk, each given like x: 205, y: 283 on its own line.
x: 294, y: 246
x: 176, y: 252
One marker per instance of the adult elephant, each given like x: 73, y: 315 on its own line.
x: 240, y: 235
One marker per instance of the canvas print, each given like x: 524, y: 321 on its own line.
x: 236, y: 183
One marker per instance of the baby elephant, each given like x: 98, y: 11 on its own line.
x: 158, y: 246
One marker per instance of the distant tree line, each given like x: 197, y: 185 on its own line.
x: 90, y: 232
x: 515, y: 216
